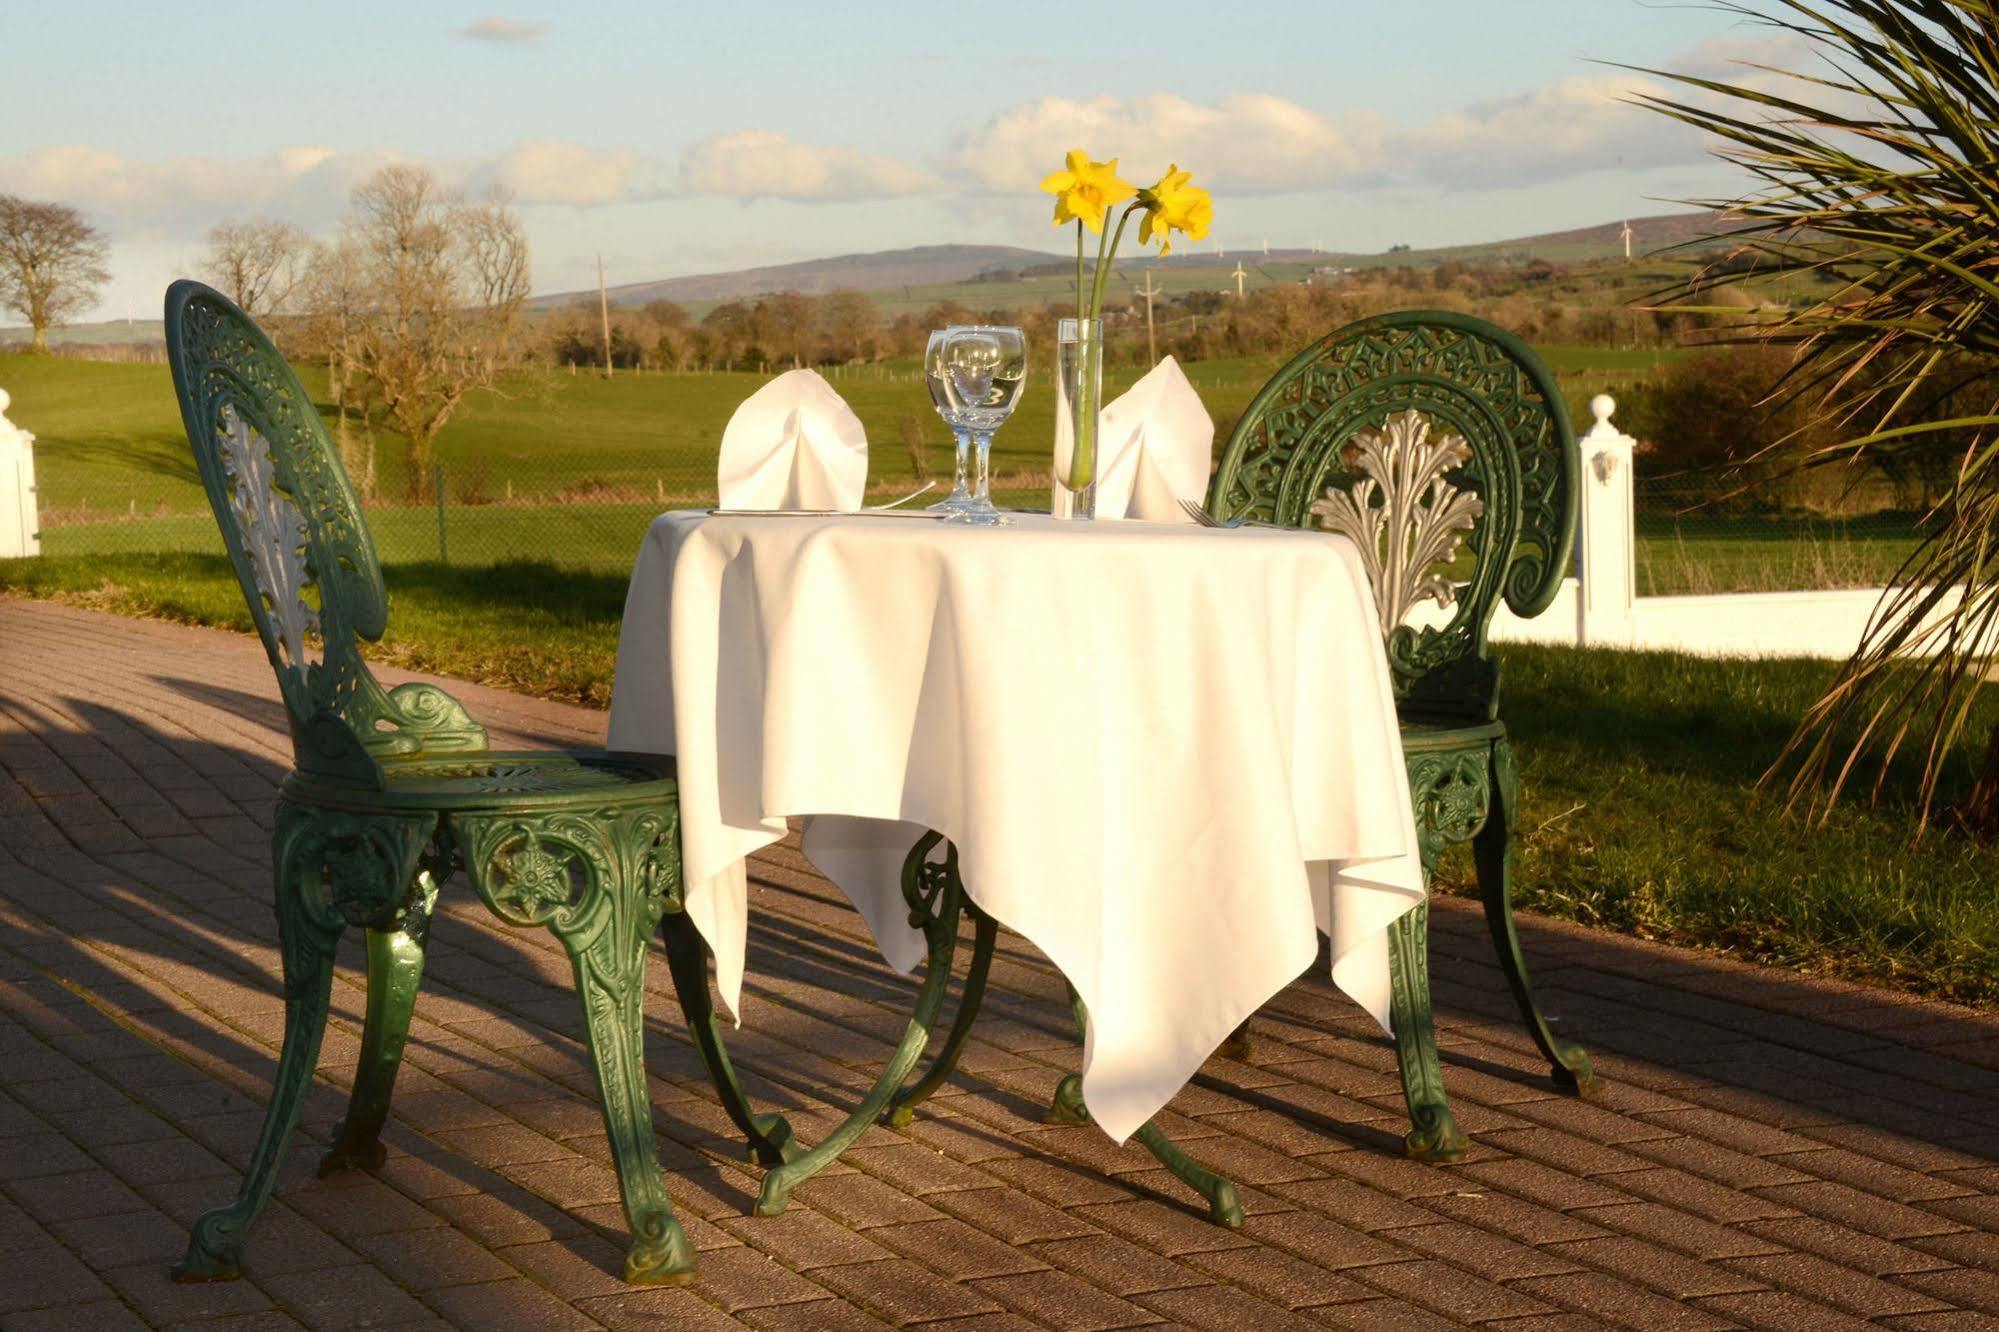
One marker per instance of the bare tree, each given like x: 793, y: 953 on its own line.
x: 51, y: 263
x: 257, y: 263
x: 853, y: 325
x: 334, y: 300
x: 443, y: 281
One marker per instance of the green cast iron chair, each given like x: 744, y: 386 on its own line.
x: 393, y: 789
x: 1442, y: 445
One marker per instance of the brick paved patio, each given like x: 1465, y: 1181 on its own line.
x: 1773, y: 1151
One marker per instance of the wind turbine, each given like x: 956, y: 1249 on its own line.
x: 1625, y: 232
x: 1239, y: 275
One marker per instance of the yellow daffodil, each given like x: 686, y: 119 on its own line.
x: 1085, y: 190
x: 1174, y: 205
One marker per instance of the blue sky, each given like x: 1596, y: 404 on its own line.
x: 689, y: 137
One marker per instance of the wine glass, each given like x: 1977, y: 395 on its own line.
x: 986, y: 367
x: 939, y: 381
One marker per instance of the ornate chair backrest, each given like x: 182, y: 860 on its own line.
x: 1412, y: 433
x: 297, y: 542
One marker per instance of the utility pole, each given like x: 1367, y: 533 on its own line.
x: 1149, y: 291
x: 1239, y: 276
x: 604, y: 313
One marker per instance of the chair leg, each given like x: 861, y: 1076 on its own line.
x: 600, y: 883
x: 1224, y: 1208
x: 330, y: 868
x: 1492, y: 855
x: 769, y: 1135
x: 1434, y: 1135
x: 935, y: 898
x: 395, y: 966
x: 902, y: 1106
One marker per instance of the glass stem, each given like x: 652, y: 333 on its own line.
x: 983, y: 495
x: 959, y: 488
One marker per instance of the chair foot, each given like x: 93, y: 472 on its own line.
x: 774, y: 1196
x: 214, y: 1249
x: 350, y: 1154
x: 1239, y: 1044
x: 1573, y: 1073
x: 1224, y: 1207
x: 1438, y: 1143
x: 774, y: 1143
x: 1067, y: 1106
x: 661, y: 1256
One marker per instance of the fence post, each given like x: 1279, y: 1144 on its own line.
x: 1609, y: 549
x: 437, y: 480
x: 19, y: 520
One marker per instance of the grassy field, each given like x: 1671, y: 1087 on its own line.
x: 574, y: 467
x: 1639, y: 771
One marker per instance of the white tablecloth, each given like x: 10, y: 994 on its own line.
x: 1165, y: 753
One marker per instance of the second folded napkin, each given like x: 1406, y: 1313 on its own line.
x: 793, y: 444
x: 1155, y: 447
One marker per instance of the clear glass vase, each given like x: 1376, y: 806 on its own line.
x: 1079, y: 390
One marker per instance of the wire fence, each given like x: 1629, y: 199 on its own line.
x: 1694, y: 535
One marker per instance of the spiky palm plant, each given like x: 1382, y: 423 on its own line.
x: 1878, y: 177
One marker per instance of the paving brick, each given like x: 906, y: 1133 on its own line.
x: 1846, y: 1246
x: 97, y: 1316
x: 1278, y: 1277
x: 1782, y: 1311
x: 1827, y: 1282
x: 1015, y: 1218
x: 147, y: 1289
x: 902, y: 1292
x: 1223, y: 1309
x: 953, y: 1249
x: 501, y: 1306
x: 1058, y: 1299
x: 39, y: 1275
x: 1760, y: 1129
x: 1862, y: 1211
x: 1619, y: 1303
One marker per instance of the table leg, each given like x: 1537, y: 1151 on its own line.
x: 1068, y: 1108
x: 769, y: 1135
x: 935, y: 898
x: 902, y: 1107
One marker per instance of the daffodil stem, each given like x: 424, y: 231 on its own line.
x: 1079, y: 268
x: 1106, y: 255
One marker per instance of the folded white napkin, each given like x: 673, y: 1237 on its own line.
x: 793, y: 444
x: 1155, y: 446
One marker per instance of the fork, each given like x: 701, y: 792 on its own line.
x: 1206, y: 519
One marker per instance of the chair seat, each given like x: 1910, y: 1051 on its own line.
x: 1434, y: 733
x: 512, y: 779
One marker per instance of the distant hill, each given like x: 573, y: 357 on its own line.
x: 920, y: 265
x: 987, y: 276
x: 933, y: 266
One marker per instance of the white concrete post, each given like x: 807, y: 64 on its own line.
x: 20, y: 525
x: 1609, y: 533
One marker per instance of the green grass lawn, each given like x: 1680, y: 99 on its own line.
x: 1639, y: 770
x: 573, y: 467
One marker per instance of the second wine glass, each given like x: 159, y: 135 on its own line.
x: 986, y: 369
x: 939, y: 381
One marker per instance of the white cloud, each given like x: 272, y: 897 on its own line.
x: 1246, y: 143
x: 1259, y: 144
x: 309, y: 184
x: 763, y: 164
x: 494, y: 28
x: 1573, y: 125
x: 304, y: 184
x: 556, y: 171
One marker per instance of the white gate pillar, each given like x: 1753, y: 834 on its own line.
x: 1604, y: 612
x: 20, y: 524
